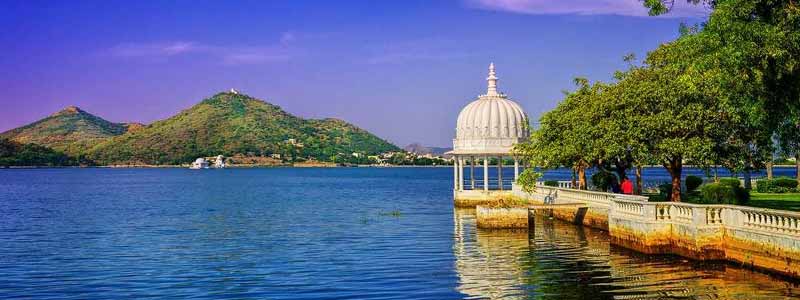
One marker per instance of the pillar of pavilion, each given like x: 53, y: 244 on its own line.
x: 486, y: 132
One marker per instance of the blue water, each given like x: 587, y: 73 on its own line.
x: 283, y: 233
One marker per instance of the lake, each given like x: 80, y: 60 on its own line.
x: 293, y: 233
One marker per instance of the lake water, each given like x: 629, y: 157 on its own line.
x: 344, y: 233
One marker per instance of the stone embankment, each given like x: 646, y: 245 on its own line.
x: 761, y: 238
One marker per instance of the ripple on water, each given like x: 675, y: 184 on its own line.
x: 563, y: 261
x: 311, y: 234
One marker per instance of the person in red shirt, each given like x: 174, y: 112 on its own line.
x: 627, y: 186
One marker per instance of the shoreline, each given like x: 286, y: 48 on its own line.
x: 320, y: 165
x: 228, y: 167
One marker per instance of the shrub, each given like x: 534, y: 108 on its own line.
x: 665, y: 190
x: 603, y: 180
x: 724, y: 193
x: 693, y: 182
x: 506, y: 202
x: 777, y: 185
x: 718, y: 193
x: 785, y: 182
x: 729, y: 181
x: 765, y: 186
x: 551, y: 183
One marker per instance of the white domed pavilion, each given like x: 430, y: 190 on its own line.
x: 487, y: 128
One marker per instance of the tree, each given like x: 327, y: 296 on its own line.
x: 566, y: 135
x: 753, y: 48
x: 624, y: 141
x: 789, y: 140
x: 675, y: 114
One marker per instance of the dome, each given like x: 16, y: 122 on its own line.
x: 491, y: 124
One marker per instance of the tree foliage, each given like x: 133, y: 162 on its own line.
x: 715, y: 96
x: 26, y: 155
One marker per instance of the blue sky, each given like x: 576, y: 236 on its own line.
x: 401, y: 69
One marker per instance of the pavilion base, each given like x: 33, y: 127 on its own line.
x: 473, y: 198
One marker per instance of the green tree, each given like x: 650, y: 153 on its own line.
x: 674, y: 116
x: 566, y: 135
x: 789, y: 140
x: 752, y: 52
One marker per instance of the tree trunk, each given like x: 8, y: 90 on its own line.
x: 797, y: 168
x: 638, y: 180
x: 621, y: 169
x: 675, y: 167
x: 747, y: 182
x: 574, y: 180
x: 769, y: 170
x: 581, y: 177
x: 716, y: 176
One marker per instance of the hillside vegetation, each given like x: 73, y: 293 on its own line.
x: 17, y: 154
x: 70, y: 130
x: 232, y: 123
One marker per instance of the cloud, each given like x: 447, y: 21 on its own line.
x: 256, y: 57
x: 153, y: 49
x: 287, y: 38
x: 430, y: 49
x: 228, y: 55
x: 585, y: 7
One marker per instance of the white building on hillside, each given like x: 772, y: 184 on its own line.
x: 219, y: 162
x: 199, y: 163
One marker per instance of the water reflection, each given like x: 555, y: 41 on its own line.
x: 558, y: 260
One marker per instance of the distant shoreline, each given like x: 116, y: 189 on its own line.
x: 228, y: 167
x: 271, y: 166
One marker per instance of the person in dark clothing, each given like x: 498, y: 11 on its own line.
x: 615, y: 186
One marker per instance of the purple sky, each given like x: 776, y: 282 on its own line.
x: 401, y: 69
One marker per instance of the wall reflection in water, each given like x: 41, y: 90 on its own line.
x: 558, y: 260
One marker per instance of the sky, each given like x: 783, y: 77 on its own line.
x: 400, y: 69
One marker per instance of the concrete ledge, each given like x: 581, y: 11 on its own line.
x: 764, y: 239
x: 502, y: 218
x: 473, y: 198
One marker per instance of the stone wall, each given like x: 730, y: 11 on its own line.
x: 473, y: 198
x: 762, y: 238
x: 501, y: 218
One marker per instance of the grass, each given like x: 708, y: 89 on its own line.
x: 507, y: 202
x: 785, y: 201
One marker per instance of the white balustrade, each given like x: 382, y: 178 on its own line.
x: 732, y: 216
x: 683, y: 213
x: 771, y: 220
x: 633, y: 208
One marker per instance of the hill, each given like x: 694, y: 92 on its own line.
x: 17, y: 154
x: 418, y: 148
x: 70, y: 130
x: 233, y: 123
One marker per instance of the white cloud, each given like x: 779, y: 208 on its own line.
x: 229, y: 54
x: 153, y: 49
x: 585, y: 7
x: 427, y: 49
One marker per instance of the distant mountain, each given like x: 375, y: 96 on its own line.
x: 422, y: 150
x: 233, y: 123
x: 70, y: 130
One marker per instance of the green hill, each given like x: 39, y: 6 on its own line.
x: 17, y: 154
x: 232, y: 123
x: 70, y: 130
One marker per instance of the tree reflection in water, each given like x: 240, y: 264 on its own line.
x: 559, y: 260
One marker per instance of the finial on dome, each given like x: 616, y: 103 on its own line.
x: 492, y: 79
